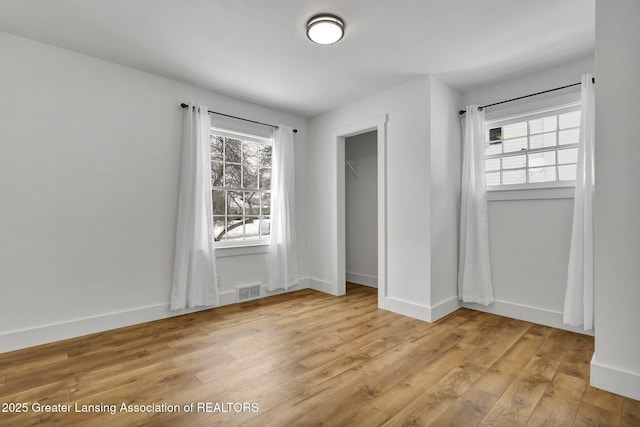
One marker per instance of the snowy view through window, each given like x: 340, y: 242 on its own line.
x: 241, y: 182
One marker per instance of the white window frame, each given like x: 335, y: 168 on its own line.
x: 532, y: 115
x: 241, y: 247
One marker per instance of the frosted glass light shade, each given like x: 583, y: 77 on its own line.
x: 325, y: 29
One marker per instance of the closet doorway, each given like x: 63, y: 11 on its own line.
x: 377, y: 127
x: 361, y: 209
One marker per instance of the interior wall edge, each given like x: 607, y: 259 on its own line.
x: 422, y: 312
x: 615, y: 380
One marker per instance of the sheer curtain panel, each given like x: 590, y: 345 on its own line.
x: 474, y: 270
x: 194, y: 271
x: 578, y: 301
x: 283, y: 267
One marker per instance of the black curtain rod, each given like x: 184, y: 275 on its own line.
x: 183, y: 105
x: 593, y: 80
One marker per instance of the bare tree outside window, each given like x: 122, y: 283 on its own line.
x: 241, y: 182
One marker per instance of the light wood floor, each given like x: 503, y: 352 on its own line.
x: 308, y: 358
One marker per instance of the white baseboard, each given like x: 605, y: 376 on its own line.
x: 444, y: 308
x: 419, y: 311
x: 615, y: 380
x: 409, y: 309
x: 319, y: 285
x: 527, y: 313
x: 30, y: 337
x: 16, y: 340
x: 362, y: 279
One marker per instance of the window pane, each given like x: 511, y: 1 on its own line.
x: 235, y: 229
x: 495, y: 134
x: 514, y: 130
x: 514, y: 176
x: 217, y: 147
x: 250, y: 165
x: 233, y: 175
x: 569, y: 120
x: 250, y: 176
x: 493, y: 178
x: 491, y: 149
x: 513, y: 162
x: 232, y: 150
x: 542, y: 140
x: 265, y: 227
x: 251, y: 203
x: 217, y: 174
x: 265, y: 156
x: 545, y: 158
x: 542, y: 174
x: 569, y: 136
x: 218, y: 228
x: 266, y: 204
x: 546, y: 124
x: 250, y: 150
x: 265, y: 179
x: 569, y: 155
x: 512, y: 145
x: 492, y: 164
x: 218, y: 202
x: 567, y: 172
x: 234, y: 203
x: 252, y: 228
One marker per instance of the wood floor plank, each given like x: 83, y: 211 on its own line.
x: 567, y: 387
x: 341, y: 411
x: 593, y: 416
x: 436, y: 400
x: 602, y: 399
x: 307, y: 358
x: 577, y: 363
x: 519, y: 400
x: 405, y: 391
x: 527, y: 345
x: 35, y: 363
x: 468, y: 410
x: 500, y: 376
x: 553, y: 411
x: 630, y: 413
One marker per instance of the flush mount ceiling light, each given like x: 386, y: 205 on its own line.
x: 325, y: 29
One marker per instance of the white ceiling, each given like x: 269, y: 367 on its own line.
x: 257, y: 49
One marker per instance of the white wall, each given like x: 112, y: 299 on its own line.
x: 409, y: 289
x: 407, y: 205
x: 446, y: 159
x: 361, y: 206
x: 530, y: 231
x: 616, y: 361
x: 89, y: 163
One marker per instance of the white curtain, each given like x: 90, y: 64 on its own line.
x: 578, y: 301
x: 282, y: 267
x: 474, y: 270
x: 194, y: 270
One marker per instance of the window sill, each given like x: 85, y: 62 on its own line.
x: 240, y: 250
x: 502, y: 193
